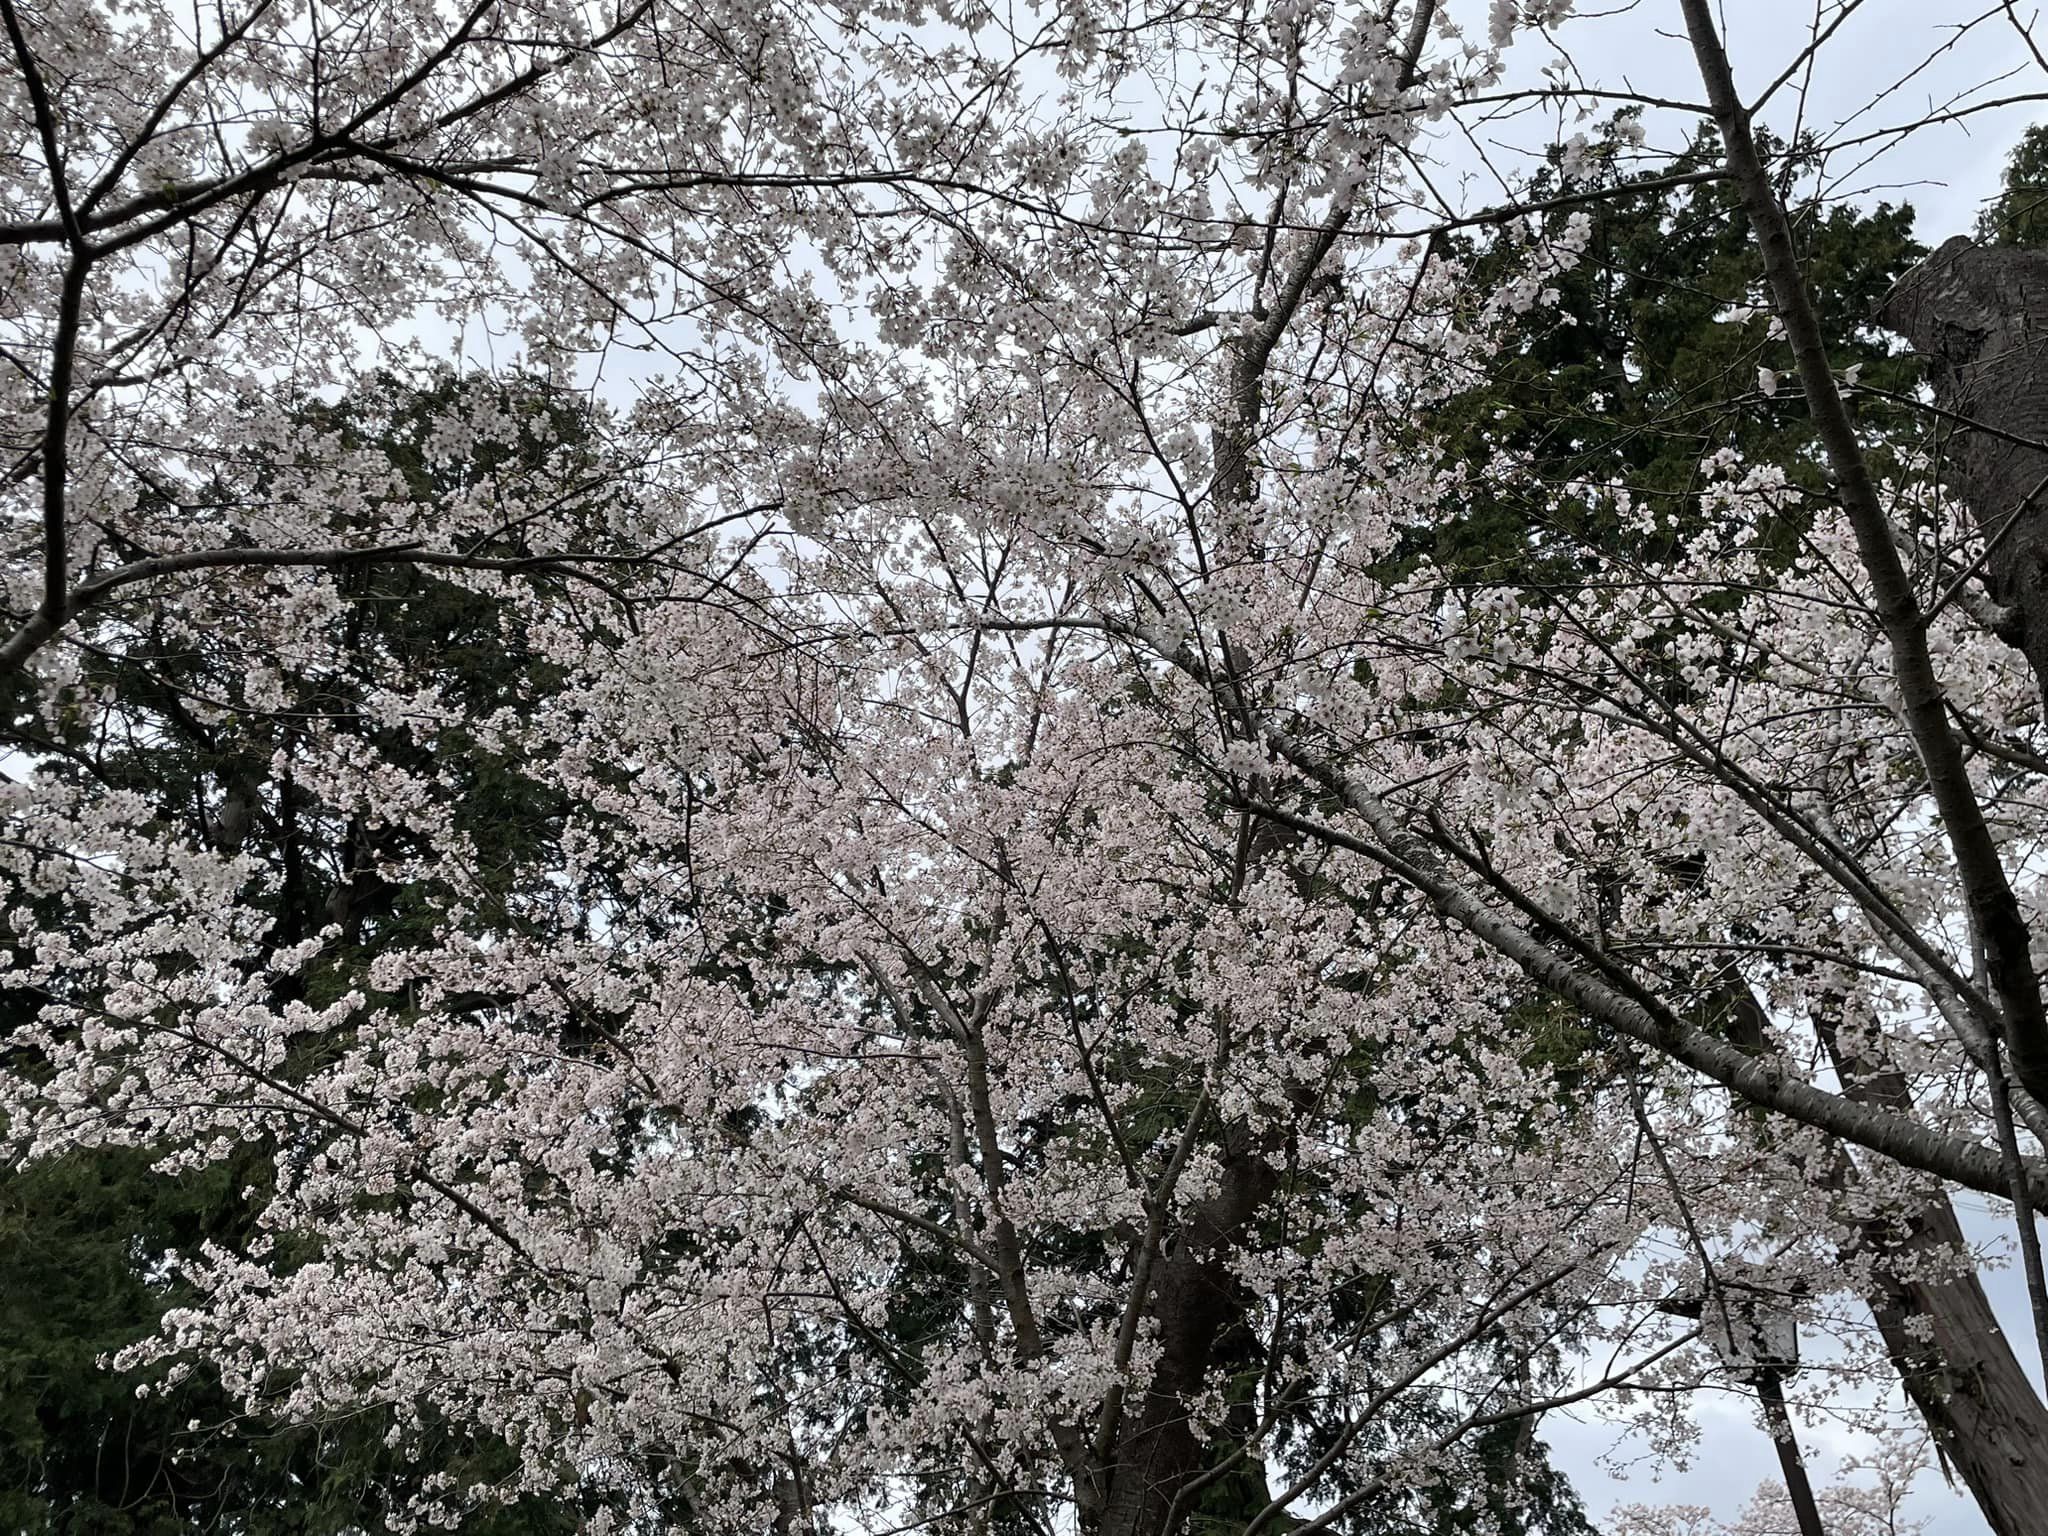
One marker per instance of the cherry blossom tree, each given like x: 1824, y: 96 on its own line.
x: 1072, y: 979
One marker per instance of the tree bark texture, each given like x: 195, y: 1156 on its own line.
x: 1960, y: 1371
x: 1954, y: 1360
x: 1199, y: 1306
x: 1980, y: 316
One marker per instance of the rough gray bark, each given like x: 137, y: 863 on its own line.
x: 1953, y: 1359
x: 1980, y: 316
x: 1198, y: 1304
x: 1965, y: 1380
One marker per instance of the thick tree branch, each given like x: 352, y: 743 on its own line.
x: 1755, y: 1079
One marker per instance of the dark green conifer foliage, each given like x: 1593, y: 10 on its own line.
x: 2019, y: 216
x: 87, y: 1241
x: 1650, y: 360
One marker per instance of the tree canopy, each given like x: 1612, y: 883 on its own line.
x: 889, y: 767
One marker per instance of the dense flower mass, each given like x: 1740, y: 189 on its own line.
x: 895, y: 766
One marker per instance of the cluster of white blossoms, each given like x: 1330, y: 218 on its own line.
x: 764, y: 694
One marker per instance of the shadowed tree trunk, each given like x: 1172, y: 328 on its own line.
x: 1953, y: 1358
x: 1980, y: 315
x: 1960, y: 1371
x: 1198, y: 1304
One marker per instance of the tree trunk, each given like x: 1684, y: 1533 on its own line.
x: 1980, y: 316
x: 1953, y: 1359
x: 1200, y: 1309
x: 1985, y: 1416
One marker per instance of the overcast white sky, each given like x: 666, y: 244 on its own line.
x: 1890, y: 63
x: 1734, y: 1456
